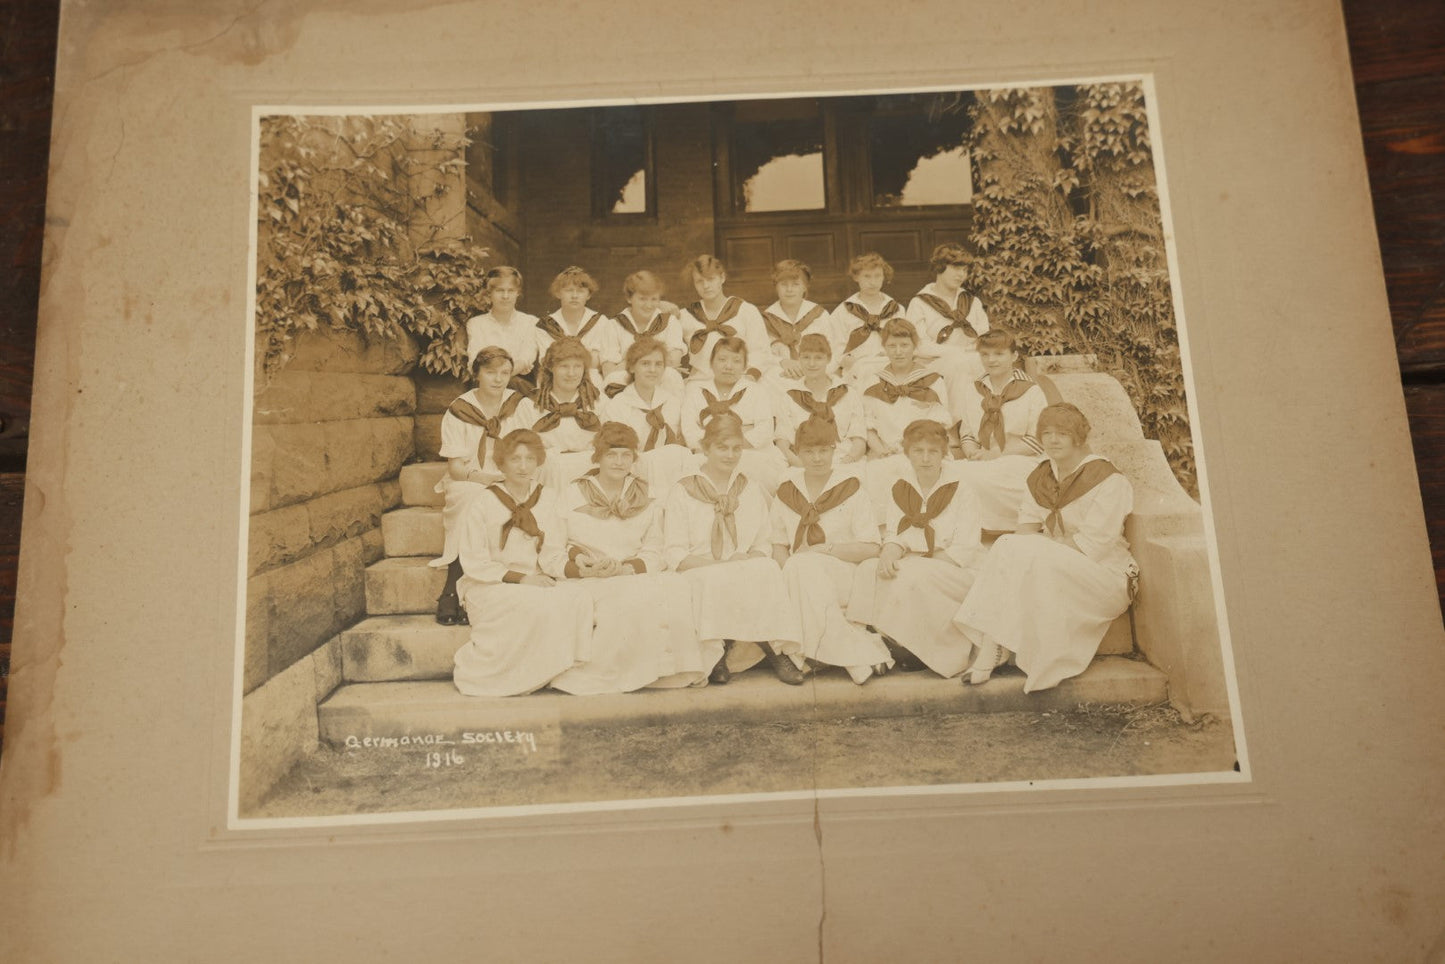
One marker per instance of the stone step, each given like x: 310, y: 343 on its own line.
x: 403, y: 584
x: 435, y: 708
x: 419, y: 481
x: 413, y: 531
x: 399, y: 648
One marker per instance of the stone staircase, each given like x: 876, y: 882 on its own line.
x: 396, y: 666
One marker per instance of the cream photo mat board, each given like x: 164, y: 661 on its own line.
x: 390, y: 710
x: 115, y: 775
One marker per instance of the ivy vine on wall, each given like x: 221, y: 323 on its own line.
x: 355, y: 234
x: 1071, y: 241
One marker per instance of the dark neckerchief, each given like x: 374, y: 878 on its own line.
x: 810, y: 529
x: 1053, y: 494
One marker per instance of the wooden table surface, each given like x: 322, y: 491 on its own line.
x: 1398, y: 51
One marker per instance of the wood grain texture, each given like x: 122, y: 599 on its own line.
x: 1398, y: 53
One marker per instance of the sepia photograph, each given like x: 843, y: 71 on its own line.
x: 608, y: 455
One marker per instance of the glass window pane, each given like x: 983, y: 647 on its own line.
x: 621, y: 156
x: 777, y: 165
x: 918, y: 162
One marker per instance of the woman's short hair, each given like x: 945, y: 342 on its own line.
x: 514, y: 440
x: 924, y: 430
x: 643, y: 281
x: 566, y: 348
x: 814, y: 342
x: 572, y: 277
x: 899, y: 328
x: 731, y: 343
x: 488, y: 357
x: 502, y: 272
x: 1066, y: 418
x: 722, y: 427
x: 867, y: 261
x: 815, y: 432
x: 790, y: 268
x: 641, y: 347
x: 997, y: 339
x: 950, y: 253
x: 703, y: 266
x: 613, y: 435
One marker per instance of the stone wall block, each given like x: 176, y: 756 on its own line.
x: 343, y: 350
x: 278, y: 728
x: 373, y: 548
x: 263, y: 454
x: 303, y: 609
x: 345, y: 514
x: 427, y: 439
x: 348, y: 581
x: 277, y: 537
x: 435, y: 392
x: 308, y: 396
x: 299, y: 469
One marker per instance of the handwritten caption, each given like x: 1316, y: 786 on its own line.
x: 436, y: 759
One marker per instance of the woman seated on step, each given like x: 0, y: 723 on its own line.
x: 717, y: 534
x: 529, y: 625
x: 470, y: 429
x: 997, y: 415
x: 654, y: 412
x: 642, y: 631
x: 823, y: 526
x: 931, y: 552
x: 1046, y: 595
x: 564, y: 411
x: 817, y: 394
x: 725, y: 389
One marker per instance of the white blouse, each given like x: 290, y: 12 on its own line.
x: 929, y: 322
x: 957, y: 529
x: 853, y: 521
x: 753, y: 407
x: 1020, y: 416
x: 848, y: 412
x: 843, y: 322
x: 518, y: 336
x: 820, y: 325
x: 485, y: 559
x: 626, y: 325
x: 1095, y: 520
x: 687, y: 523
x: 639, y: 537
x: 889, y: 419
x: 567, y: 436
x: 748, y: 323
x: 601, y: 339
x: 628, y: 408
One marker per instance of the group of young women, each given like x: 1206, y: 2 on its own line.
x: 672, y: 495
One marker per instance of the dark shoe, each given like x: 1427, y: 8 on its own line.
x: 903, y: 660
x: 450, y: 611
x: 720, y: 675
x: 785, y: 669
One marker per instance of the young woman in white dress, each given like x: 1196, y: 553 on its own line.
x: 572, y: 288
x: 823, y: 526
x: 718, y: 535
x: 950, y: 317
x: 817, y: 394
x: 528, y: 626
x: 1048, y: 593
x: 646, y: 316
x: 901, y: 393
x: 642, y: 631
x: 716, y: 315
x: 471, y: 427
x: 505, y: 326
x: 857, y: 323
x: 654, y: 412
x: 792, y: 316
x: 998, y: 415
x: 564, y: 411
x: 727, y: 390
x: 931, y: 552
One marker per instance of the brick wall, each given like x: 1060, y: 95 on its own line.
x: 556, y: 205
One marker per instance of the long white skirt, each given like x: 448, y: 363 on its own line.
x: 1000, y: 485
x: 457, y: 494
x: 662, y: 466
x: 916, y: 608
x: 562, y: 467
x: 960, y: 368
x: 819, y: 587
x: 744, y: 601
x: 642, y: 635
x: 1047, y: 603
x: 522, y: 636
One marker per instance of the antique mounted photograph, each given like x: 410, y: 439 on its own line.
x: 609, y: 455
